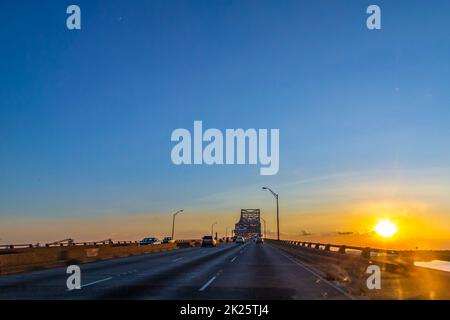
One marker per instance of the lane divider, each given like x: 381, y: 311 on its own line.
x: 206, y: 285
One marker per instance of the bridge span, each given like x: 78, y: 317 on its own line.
x: 273, y: 270
x: 230, y: 271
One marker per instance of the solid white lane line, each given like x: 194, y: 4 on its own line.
x: 317, y: 275
x: 175, y: 260
x: 206, y: 285
x: 91, y: 283
x: 232, y: 260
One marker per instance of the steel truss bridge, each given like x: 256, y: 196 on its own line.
x: 249, y: 224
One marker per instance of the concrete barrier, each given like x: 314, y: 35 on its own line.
x: 29, y: 259
x: 188, y: 243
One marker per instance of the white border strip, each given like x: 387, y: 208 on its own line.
x: 206, y: 285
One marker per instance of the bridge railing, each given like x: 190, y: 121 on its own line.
x: 16, y: 246
x: 67, y: 244
x: 88, y: 243
x: 366, y: 252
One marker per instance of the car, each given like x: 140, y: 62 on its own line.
x: 209, y: 241
x: 149, y: 241
x: 259, y: 240
x: 240, y: 240
x: 168, y: 240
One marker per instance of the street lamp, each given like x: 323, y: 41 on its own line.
x: 265, y: 235
x: 278, y: 216
x: 173, y: 221
x: 212, y: 229
x: 226, y: 232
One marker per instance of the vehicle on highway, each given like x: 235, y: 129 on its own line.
x: 209, y: 241
x: 149, y: 241
x: 259, y: 240
x: 168, y: 240
x: 240, y: 240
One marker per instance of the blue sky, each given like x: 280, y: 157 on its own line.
x: 86, y: 116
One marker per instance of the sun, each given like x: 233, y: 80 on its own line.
x: 386, y: 229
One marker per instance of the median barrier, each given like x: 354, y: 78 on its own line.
x: 35, y: 258
x: 188, y: 243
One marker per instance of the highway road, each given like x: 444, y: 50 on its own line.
x: 229, y: 271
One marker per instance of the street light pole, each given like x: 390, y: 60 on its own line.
x: 278, y: 215
x: 265, y: 235
x: 212, y: 229
x: 173, y: 222
x: 226, y: 232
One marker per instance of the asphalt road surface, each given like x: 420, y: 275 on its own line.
x: 229, y: 271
